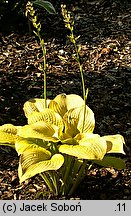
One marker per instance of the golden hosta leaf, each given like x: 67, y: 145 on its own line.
x: 71, y: 119
x: 74, y: 121
x: 10, y: 128
x: 8, y: 134
x: 67, y: 139
x: 114, y: 143
x: 59, y: 108
x: 114, y: 162
x: 23, y: 144
x: 89, y: 123
x: 36, y: 161
x: 34, y: 104
x: 74, y: 101
x: 94, y: 149
x: 86, y: 136
x: 7, y: 138
x: 47, y: 115
x: 62, y: 103
x: 40, y: 130
x: 30, y: 157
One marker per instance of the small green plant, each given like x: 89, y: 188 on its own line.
x: 58, y: 142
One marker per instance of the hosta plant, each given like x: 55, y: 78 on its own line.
x: 58, y: 141
x: 55, y: 143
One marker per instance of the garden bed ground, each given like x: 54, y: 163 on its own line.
x: 105, y: 39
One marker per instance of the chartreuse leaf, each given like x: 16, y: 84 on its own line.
x: 115, y: 143
x: 10, y: 128
x: 35, y: 161
x: 23, y: 144
x: 40, y: 130
x: 60, y: 109
x: 74, y: 101
x: 73, y: 120
x: 86, y: 136
x: 92, y: 149
x: 58, y: 104
x: 62, y: 103
x: 46, y: 5
x: 89, y: 123
x: 34, y: 104
x: 30, y: 157
x: 47, y: 115
x: 8, y: 134
x: 7, y: 139
x: 67, y: 139
x: 109, y: 161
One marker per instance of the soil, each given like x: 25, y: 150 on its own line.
x: 104, y: 27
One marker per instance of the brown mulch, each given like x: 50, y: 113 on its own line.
x: 105, y: 40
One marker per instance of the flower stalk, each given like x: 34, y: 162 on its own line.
x: 69, y: 24
x: 30, y: 13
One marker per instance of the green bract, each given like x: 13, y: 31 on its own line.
x: 54, y: 137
